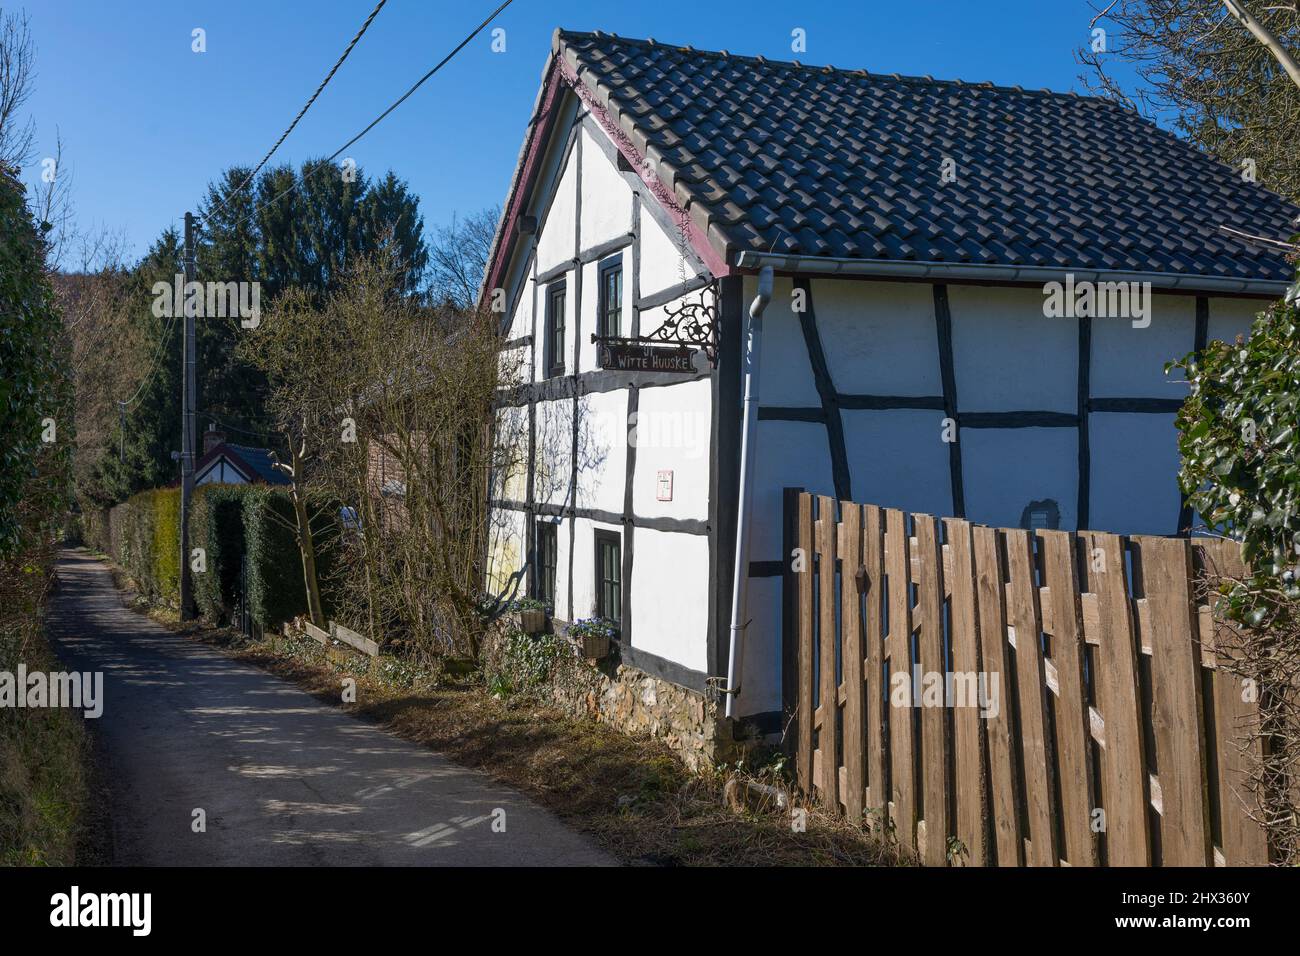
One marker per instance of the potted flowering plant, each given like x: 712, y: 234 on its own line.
x: 531, y: 614
x: 594, y: 634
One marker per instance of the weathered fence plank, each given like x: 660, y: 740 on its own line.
x: 898, y: 568
x: 319, y: 635
x: 804, y: 760
x: 827, y: 741
x: 995, y: 654
x: 1166, y: 569
x: 1123, y: 759
x: 348, y: 636
x: 851, y: 652
x: 968, y: 745
x: 1073, y: 739
x: 1236, y: 725
x: 934, y: 716
x: 873, y: 637
x: 1024, y: 621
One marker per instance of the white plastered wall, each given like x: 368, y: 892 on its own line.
x: 880, y: 338
x: 676, y: 417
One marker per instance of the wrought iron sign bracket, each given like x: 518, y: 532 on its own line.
x: 692, y: 325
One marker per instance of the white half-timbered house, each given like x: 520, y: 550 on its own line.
x: 976, y: 291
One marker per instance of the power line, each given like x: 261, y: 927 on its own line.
x: 302, y: 112
x: 376, y: 121
x: 235, y: 428
x: 154, y: 365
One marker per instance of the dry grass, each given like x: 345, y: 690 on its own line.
x: 43, y: 751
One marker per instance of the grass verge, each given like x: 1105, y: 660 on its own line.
x: 44, y: 751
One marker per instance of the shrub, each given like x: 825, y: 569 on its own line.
x: 276, y: 592
x: 42, y: 749
x: 217, y: 526
x: 35, y: 388
x: 144, y: 537
x: 95, y: 529
x: 1239, y: 443
x: 525, y: 662
x: 166, y: 555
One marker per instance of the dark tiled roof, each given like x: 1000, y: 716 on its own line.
x: 816, y: 161
x: 259, y: 459
x: 248, y: 459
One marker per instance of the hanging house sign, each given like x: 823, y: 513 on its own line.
x: 690, y: 328
x: 631, y: 356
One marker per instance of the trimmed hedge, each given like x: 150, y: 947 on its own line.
x: 217, y: 526
x: 228, y: 521
x: 144, y: 537
x: 95, y: 529
x: 166, y: 556
x: 276, y: 592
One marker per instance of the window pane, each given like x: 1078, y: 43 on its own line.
x: 555, y: 322
x: 609, y: 575
x: 612, y: 301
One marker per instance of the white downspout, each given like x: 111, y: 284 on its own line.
x: 740, y: 577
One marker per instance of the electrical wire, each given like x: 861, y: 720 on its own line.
x: 375, y: 122
x: 155, y: 364
x: 302, y: 112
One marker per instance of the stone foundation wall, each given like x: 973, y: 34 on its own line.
x: 636, y: 703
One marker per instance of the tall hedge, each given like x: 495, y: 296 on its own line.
x: 228, y: 522
x: 166, y: 504
x: 36, y: 425
x: 217, y: 526
x: 275, y: 586
x: 144, y: 537
x: 95, y: 529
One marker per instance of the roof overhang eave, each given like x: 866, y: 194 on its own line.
x: 1028, y: 275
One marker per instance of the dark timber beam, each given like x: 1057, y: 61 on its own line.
x: 1084, y: 406
x: 943, y: 331
x: 826, y: 389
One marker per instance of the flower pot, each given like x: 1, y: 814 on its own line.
x: 595, y: 646
x: 532, y: 620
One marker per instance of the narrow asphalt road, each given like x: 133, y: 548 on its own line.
x: 283, y: 779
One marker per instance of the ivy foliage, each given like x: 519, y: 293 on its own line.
x: 34, y: 384
x: 275, y: 576
x: 1240, y: 447
x: 217, y: 526
x: 526, y: 661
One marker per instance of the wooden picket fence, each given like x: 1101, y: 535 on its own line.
x: 1109, y: 734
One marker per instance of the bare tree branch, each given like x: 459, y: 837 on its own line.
x: 1265, y: 36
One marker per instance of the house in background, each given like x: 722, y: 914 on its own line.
x: 224, y: 463
x: 928, y: 345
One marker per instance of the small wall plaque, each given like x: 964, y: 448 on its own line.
x: 665, y: 486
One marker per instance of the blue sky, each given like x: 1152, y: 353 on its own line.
x: 147, y: 123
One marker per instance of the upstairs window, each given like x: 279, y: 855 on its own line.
x: 555, y: 300
x: 611, y: 298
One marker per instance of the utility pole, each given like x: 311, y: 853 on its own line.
x: 189, y: 396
